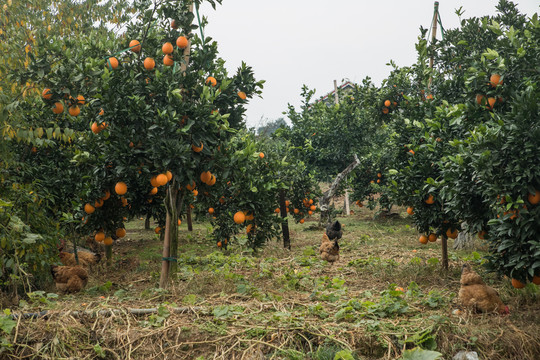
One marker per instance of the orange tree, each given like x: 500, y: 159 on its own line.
x: 329, y: 135
x: 242, y: 203
x: 454, y: 137
x: 489, y: 179
x: 151, y: 109
x: 39, y: 182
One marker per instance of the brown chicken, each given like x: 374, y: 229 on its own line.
x: 329, y: 248
x: 475, y: 294
x: 69, y: 279
x: 86, y: 258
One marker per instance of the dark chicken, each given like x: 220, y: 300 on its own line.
x: 329, y: 248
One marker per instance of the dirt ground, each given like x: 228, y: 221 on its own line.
x: 277, y: 304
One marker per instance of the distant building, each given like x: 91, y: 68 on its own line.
x: 345, y: 88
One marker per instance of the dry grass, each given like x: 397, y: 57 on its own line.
x: 278, y: 304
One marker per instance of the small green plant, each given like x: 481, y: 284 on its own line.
x: 157, y: 320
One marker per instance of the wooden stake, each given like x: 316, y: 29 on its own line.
x: 164, y: 277
x: 346, y: 204
x: 284, y: 222
x: 433, y: 36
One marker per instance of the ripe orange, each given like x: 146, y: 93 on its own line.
x: 310, y: 212
x: 149, y: 63
x: 197, y: 149
x: 378, y: 181
x: 491, y: 102
x: 108, y: 241
x: 534, y: 199
x: 310, y: 201
x: 182, y: 42
x: 239, y: 217
x: 479, y: 99
x: 153, y: 181
x: 124, y: 201
x: 120, y: 232
x: 261, y: 155
x: 206, y: 176
x: 58, y: 108
x: 410, y: 210
x: 385, y: 110
x: 89, y: 209
x: 387, y: 103
x: 168, y: 60
x: 157, y: 230
x: 430, y: 200
x: 495, y: 80
x: 212, y: 80
x: 429, y: 97
x: 167, y: 48
x: 432, y: 237
x: 452, y: 233
x: 100, y: 236
x: 411, y: 151
x: 169, y: 175
x: 95, y: 128
x: 276, y: 210
x: 536, y: 280
x: 517, y: 284
x: 80, y: 100
x: 101, y: 112
x: 120, y: 188
x: 423, y: 239
x: 161, y: 179
x: 46, y: 94
x: 154, y: 191
x: 212, y: 181
x: 112, y: 63
x: 98, y: 203
x: 287, y: 203
x: 219, y: 244
x: 302, y: 221
x: 191, y: 186
x: 195, y: 192
x: 179, y: 222
x: 379, y: 175
x: 211, y: 210
x: 313, y: 208
x: 135, y: 46
x: 74, y: 110
x: 242, y: 95
x: 296, y: 211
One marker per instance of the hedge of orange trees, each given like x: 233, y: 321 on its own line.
x: 465, y: 147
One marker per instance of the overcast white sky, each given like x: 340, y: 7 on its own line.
x: 294, y: 42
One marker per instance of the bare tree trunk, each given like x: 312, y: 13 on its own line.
x: 444, y: 252
x: 147, y: 222
x: 464, y: 240
x: 324, y: 201
x: 284, y: 221
x: 165, y: 264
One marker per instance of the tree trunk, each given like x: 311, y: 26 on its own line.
x: 165, y: 264
x: 284, y: 220
x: 176, y: 203
x: 188, y: 217
x: 444, y: 252
x: 464, y: 240
x: 324, y: 201
x: 147, y: 222
x: 108, y: 255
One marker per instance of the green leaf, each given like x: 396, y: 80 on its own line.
x: 343, y: 355
x: 420, y: 354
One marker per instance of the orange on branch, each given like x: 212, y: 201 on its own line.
x: 149, y: 63
x: 112, y: 63
x: 100, y: 236
x: 120, y: 188
x: 182, y: 42
x: 89, y: 209
x: 161, y: 179
x: 167, y: 48
x: 423, y: 239
x: 387, y: 103
x: 120, y: 232
x: 47, y: 94
x: 108, y: 241
x: 242, y: 95
x: 74, y: 110
x: 495, y: 80
x: 239, y: 217
x: 212, y: 80
x: 58, y: 108
x: 135, y: 46
x: 168, y: 60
